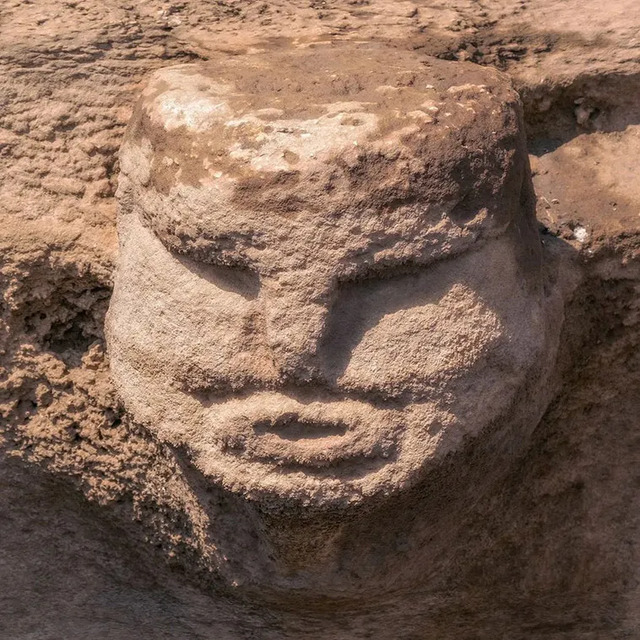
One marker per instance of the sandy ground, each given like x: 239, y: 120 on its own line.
x: 555, y: 555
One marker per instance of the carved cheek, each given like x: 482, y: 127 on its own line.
x: 201, y: 328
x: 422, y: 345
x: 175, y: 319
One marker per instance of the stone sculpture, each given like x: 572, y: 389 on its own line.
x: 329, y: 283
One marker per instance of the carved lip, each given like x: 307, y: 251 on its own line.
x: 279, y: 430
x: 294, y: 442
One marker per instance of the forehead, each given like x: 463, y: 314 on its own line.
x: 344, y: 153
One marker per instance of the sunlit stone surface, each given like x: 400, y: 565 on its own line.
x: 329, y: 281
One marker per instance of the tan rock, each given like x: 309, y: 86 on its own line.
x: 319, y: 294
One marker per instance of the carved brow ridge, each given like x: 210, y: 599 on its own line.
x: 346, y: 271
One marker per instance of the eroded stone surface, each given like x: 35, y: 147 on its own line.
x: 548, y: 553
x: 241, y: 152
x: 327, y: 283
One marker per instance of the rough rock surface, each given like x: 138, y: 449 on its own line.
x: 552, y: 555
x: 339, y: 261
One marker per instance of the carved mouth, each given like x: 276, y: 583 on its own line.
x: 289, y: 441
x: 281, y: 432
x: 290, y: 426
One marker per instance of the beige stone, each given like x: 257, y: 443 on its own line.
x: 320, y: 294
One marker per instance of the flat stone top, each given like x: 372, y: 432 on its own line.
x: 220, y: 156
x: 303, y: 81
x: 272, y: 109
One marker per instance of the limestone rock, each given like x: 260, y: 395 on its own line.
x: 328, y: 280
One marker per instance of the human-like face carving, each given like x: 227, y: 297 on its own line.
x: 324, y: 355
x: 325, y: 401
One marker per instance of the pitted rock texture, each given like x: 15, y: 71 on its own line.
x: 553, y: 554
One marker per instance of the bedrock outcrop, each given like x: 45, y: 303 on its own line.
x: 553, y: 552
x: 330, y: 285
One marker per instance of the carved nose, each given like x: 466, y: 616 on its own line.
x: 296, y: 310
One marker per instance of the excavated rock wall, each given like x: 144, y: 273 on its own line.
x: 554, y: 554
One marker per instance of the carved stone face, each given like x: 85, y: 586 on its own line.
x: 329, y: 274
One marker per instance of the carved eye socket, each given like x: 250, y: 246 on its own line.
x: 361, y: 303
x: 236, y: 279
x: 396, y: 269
x: 385, y: 271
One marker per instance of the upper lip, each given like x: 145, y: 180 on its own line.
x: 219, y: 392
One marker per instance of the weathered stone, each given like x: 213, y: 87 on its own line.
x: 328, y: 282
